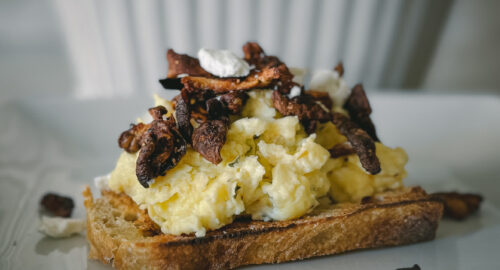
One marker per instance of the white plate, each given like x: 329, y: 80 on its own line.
x: 61, y: 144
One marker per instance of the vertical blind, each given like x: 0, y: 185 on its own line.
x: 117, y: 47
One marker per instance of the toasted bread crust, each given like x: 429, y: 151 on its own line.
x: 123, y: 235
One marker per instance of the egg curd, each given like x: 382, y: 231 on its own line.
x: 271, y: 170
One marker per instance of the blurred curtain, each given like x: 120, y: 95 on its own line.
x: 118, y: 47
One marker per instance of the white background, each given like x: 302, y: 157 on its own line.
x: 448, y: 46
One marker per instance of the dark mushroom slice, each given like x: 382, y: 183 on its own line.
x: 361, y: 142
x: 234, y: 101
x: 255, y: 55
x: 180, y: 64
x: 359, y: 110
x: 57, y: 205
x: 215, y: 109
x: 209, y: 138
x: 309, y: 126
x: 459, y: 205
x: 305, y: 108
x: 321, y: 96
x: 341, y: 149
x: 160, y: 145
x: 162, y: 148
x: 157, y: 112
x: 183, y: 116
x: 130, y: 140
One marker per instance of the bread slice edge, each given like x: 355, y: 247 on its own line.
x: 119, y: 233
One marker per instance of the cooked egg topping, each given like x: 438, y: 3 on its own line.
x: 271, y: 170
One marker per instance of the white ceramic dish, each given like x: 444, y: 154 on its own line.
x: 61, y: 144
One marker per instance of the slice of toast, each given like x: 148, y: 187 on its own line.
x: 121, y: 234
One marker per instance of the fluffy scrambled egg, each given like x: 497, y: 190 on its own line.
x: 271, y: 170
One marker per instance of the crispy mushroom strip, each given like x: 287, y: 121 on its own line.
x: 459, y: 205
x: 359, y: 110
x: 157, y: 112
x: 361, y: 142
x: 341, y: 149
x: 184, y: 64
x: 256, y: 56
x: 183, y: 115
x: 130, y: 140
x: 256, y: 79
x: 159, y: 143
x: 304, y: 107
x: 210, y: 136
x: 161, y: 149
x: 339, y: 68
x: 234, y: 101
x: 253, y: 53
x: 321, y: 96
x: 181, y: 64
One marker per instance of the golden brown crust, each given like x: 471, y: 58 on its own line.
x: 388, y: 219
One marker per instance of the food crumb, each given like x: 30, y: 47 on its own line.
x: 414, y: 267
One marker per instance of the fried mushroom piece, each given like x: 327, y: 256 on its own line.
x: 162, y: 147
x: 183, y: 116
x: 216, y: 110
x: 341, y: 149
x: 459, y: 205
x: 255, y: 55
x: 359, y: 110
x: 130, y: 140
x: 209, y: 138
x: 157, y: 112
x: 179, y: 64
x: 234, y: 101
x: 57, y: 205
x: 361, y: 142
x: 309, y: 126
x: 196, y: 105
x: 256, y: 79
x: 321, y: 96
x: 304, y: 107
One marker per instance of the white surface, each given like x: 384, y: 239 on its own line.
x: 60, y: 145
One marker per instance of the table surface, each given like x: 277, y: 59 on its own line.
x: 60, y: 144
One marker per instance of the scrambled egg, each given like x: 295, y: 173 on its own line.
x: 271, y: 170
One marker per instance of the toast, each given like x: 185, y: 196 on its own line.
x: 122, y: 234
